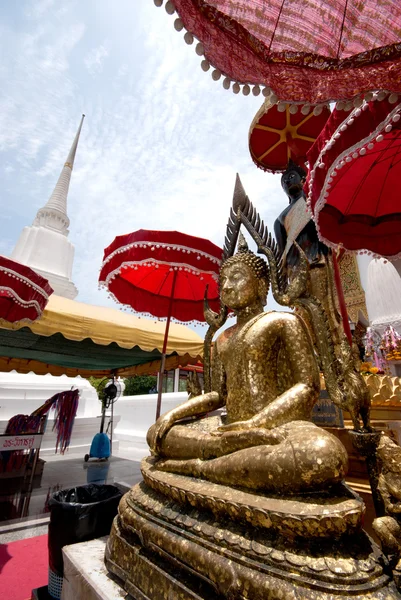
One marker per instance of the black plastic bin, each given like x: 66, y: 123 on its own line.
x: 78, y: 515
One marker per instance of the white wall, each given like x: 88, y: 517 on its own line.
x: 23, y: 394
x: 137, y: 414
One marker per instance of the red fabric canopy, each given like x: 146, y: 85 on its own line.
x: 139, y: 270
x: 276, y: 137
x: 305, y: 50
x: 23, y: 292
x: 354, y: 180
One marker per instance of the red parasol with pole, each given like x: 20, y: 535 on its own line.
x: 304, y: 50
x: 23, y: 292
x: 164, y: 273
x: 353, y: 184
x: 278, y: 136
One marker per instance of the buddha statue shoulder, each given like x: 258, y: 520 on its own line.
x: 265, y: 374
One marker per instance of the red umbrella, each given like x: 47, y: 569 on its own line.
x: 354, y: 179
x: 305, y: 51
x: 164, y: 273
x: 277, y: 136
x: 23, y: 292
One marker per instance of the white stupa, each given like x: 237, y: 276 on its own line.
x: 44, y: 246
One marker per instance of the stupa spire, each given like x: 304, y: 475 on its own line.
x: 53, y: 215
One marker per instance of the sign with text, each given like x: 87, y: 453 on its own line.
x: 20, y: 442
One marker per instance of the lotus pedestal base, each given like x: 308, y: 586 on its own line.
x: 177, y: 538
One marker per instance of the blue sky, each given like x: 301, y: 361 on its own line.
x: 161, y: 142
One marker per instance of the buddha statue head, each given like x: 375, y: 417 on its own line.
x: 292, y: 181
x: 244, y: 279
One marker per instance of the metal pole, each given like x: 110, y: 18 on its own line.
x: 176, y: 386
x: 27, y: 494
x: 163, y: 359
x: 111, y: 428
x: 103, y: 416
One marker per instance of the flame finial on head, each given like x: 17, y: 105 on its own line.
x: 239, y: 197
x: 242, y: 245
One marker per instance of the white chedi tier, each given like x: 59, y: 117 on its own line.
x: 44, y: 246
x: 383, y: 295
x: 50, y: 254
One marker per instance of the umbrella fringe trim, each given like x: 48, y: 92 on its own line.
x: 23, y: 303
x: 23, y: 279
x: 158, y: 245
x: 310, y: 61
x: 339, y: 162
x: 152, y: 261
x: 148, y: 315
x: 361, y: 251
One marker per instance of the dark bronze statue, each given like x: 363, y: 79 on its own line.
x: 295, y: 226
x: 295, y: 222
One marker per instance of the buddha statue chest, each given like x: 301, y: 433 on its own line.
x: 250, y: 354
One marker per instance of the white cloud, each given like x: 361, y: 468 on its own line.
x: 39, y: 8
x: 95, y: 58
x: 161, y: 142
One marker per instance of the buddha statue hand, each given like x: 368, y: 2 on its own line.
x: 157, y: 432
x: 253, y: 423
x: 194, y: 407
x: 231, y: 436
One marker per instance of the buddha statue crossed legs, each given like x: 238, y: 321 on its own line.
x: 265, y: 373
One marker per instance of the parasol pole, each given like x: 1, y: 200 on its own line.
x: 341, y: 299
x: 163, y: 361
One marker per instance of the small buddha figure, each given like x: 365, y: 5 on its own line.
x: 388, y: 527
x: 265, y: 374
x: 295, y: 224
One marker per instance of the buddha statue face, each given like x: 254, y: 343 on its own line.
x: 239, y: 286
x: 244, y: 281
x: 292, y: 181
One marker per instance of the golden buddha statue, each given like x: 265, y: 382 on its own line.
x: 250, y: 504
x: 265, y: 373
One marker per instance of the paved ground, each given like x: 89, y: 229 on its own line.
x: 60, y: 472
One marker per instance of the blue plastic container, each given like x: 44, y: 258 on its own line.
x: 100, y: 447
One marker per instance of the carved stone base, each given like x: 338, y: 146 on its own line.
x: 163, y: 549
x: 146, y: 576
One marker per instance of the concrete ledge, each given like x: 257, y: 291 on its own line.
x: 85, y: 574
